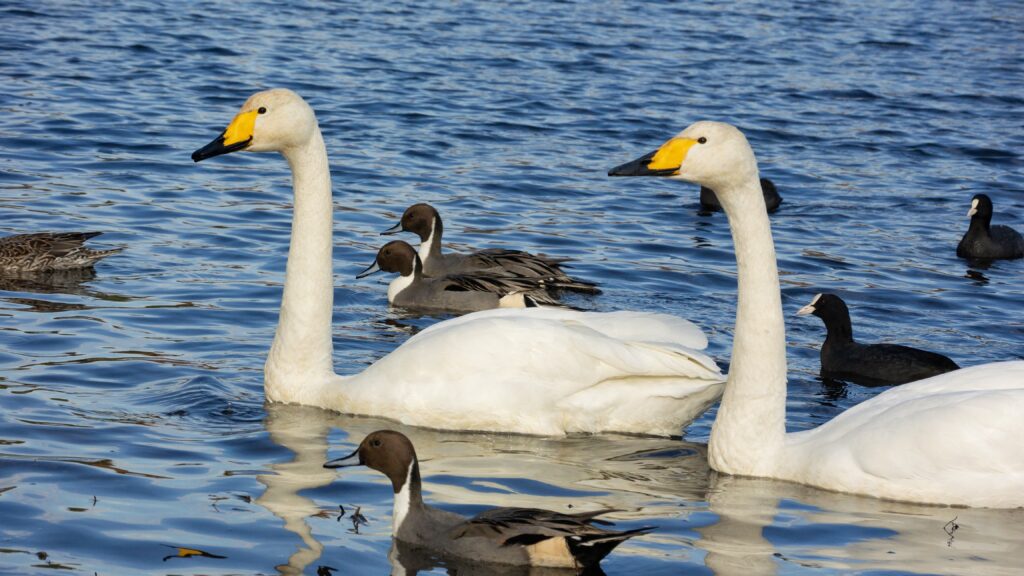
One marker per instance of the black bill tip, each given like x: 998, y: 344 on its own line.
x: 640, y: 167
x: 393, y: 230
x: 217, y: 147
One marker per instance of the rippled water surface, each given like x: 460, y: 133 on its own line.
x: 132, y: 417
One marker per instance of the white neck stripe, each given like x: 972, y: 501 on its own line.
x: 402, y: 501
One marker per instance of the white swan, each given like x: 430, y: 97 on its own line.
x: 956, y: 438
x: 536, y: 371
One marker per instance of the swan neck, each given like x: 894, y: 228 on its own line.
x: 300, y: 357
x: 749, y: 430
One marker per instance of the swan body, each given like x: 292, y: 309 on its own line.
x: 49, y: 251
x: 951, y: 439
x: 532, y: 371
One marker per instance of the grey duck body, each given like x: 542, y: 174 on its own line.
x: 512, y: 536
x: 452, y: 293
x: 49, y: 251
x: 424, y: 221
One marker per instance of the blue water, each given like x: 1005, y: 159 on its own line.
x: 132, y: 417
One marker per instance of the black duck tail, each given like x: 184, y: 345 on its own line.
x: 590, y: 549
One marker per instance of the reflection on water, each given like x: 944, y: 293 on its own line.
x: 746, y: 526
x: 304, y: 433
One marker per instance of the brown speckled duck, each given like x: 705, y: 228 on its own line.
x: 48, y: 251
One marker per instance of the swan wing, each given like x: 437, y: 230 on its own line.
x: 547, y: 373
x: 622, y: 325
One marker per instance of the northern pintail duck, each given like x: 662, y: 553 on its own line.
x: 952, y: 439
x: 543, y: 370
x: 772, y: 200
x: 842, y: 358
x: 985, y: 241
x: 48, y: 251
x: 452, y: 293
x: 517, y: 536
x: 424, y: 221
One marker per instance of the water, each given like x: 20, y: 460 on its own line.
x: 131, y: 406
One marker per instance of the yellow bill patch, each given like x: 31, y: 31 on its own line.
x: 241, y: 128
x: 671, y: 154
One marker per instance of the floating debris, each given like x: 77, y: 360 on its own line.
x: 358, y: 519
x: 189, y: 553
x: 950, y: 528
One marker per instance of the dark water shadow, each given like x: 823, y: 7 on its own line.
x: 70, y: 282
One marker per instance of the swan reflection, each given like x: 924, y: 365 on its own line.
x: 729, y: 524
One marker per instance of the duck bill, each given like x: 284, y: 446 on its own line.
x: 352, y: 459
x: 809, y: 309
x: 371, y: 269
x: 393, y: 230
x: 664, y: 161
x: 237, y: 136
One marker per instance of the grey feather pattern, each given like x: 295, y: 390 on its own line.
x: 511, y: 526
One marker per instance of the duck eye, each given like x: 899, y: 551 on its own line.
x: 376, y: 443
x: 262, y: 110
x: 702, y: 140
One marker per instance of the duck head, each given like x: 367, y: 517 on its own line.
x: 832, y: 311
x: 386, y: 451
x: 395, y: 256
x: 420, y: 219
x: 713, y: 154
x: 981, y: 208
x: 270, y: 121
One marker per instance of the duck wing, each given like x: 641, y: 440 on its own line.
x: 585, y: 543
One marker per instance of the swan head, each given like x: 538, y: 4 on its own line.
x: 395, y: 256
x: 270, y: 121
x: 385, y: 451
x: 712, y: 154
x: 418, y: 219
x: 981, y: 207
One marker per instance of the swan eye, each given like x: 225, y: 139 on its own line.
x: 702, y: 140
x: 262, y: 110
